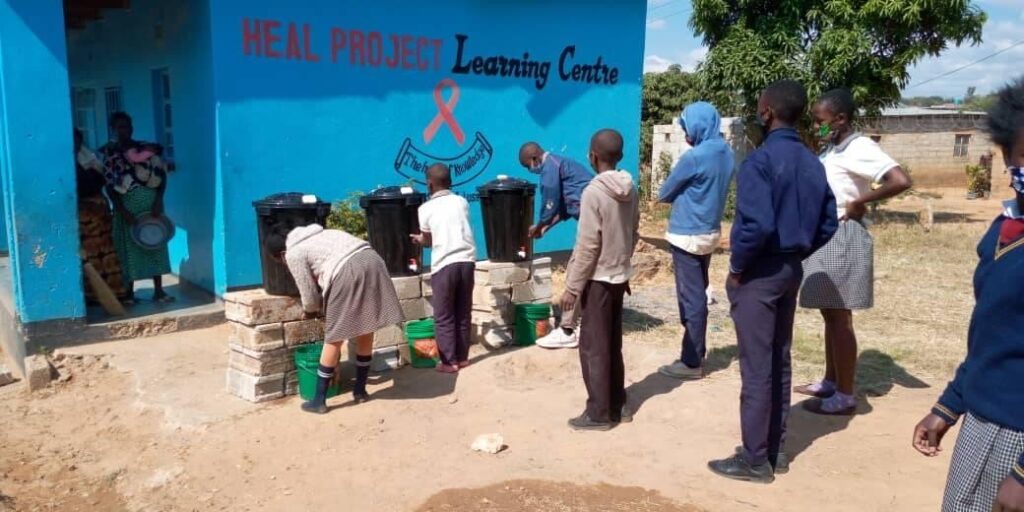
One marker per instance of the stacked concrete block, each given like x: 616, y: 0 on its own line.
x: 499, y: 286
x: 266, y: 330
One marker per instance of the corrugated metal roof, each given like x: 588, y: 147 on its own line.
x: 905, y: 111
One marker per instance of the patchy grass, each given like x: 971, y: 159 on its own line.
x: 916, y: 332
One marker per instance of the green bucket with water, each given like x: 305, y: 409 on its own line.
x: 423, y: 352
x: 307, y: 362
x: 533, y: 321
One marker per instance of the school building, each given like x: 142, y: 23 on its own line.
x: 255, y: 97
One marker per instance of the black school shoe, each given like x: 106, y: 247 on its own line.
x: 737, y: 468
x: 583, y: 422
x: 625, y: 415
x: 781, y: 465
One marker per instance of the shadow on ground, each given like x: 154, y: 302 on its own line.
x: 634, y: 320
x: 410, y: 383
x: 877, y: 375
x: 657, y: 384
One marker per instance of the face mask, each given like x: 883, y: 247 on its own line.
x: 762, y: 124
x: 825, y: 131
x: 1017, y: 179
x: 537, y: 168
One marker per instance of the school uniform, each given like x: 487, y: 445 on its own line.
x: 841, y: 274
x: 598, y: 275
x: 697, y: 188
x: 453, y: 260
x: 986, y: 390
x: 784, y: 212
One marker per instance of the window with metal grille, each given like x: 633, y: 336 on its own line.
x: 83, y: 102
x: 163, y: 111
x: 961, y: 145
x: 114, y: 102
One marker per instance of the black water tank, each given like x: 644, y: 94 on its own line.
x: 282, y: 213
x: 391, y: 216
x: 507, y: 207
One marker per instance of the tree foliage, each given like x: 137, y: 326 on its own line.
x: 864, y: 45
x: 664, y: 95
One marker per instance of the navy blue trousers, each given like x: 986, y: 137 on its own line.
x: 453, y: 309
x: 763, y: 307
x: 691, y: 293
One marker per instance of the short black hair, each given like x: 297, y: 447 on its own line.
x: 839, y: 101
x: 440, y: 174
x: 788, y: 99
x: 120, y: 116
x: 1006, y: 116
x: 275, y: 243
x: 607, y: 146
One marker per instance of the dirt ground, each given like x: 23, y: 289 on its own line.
x: 146, y: 424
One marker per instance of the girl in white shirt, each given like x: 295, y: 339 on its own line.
x: 839, y: 278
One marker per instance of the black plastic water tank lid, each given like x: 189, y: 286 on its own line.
x: 289, y: 201
x: 410, y: 195
x: 505, y: 184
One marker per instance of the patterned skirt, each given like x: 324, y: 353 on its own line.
x: 361, y: 299
x: 985, y: 454
x: 841, y: 275
x: 95, y: 226
x: 137, y: 261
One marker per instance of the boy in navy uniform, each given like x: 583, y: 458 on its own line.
x: 784, y: 212
x: 562, y: 181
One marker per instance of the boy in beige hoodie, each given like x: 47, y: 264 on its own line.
x: 598, y: 277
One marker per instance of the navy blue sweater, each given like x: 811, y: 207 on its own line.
x: 783, y: 202
x: 987, y: 383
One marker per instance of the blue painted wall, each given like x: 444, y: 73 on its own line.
x: 312, y: 97
x: 37, y: 167
x: 123, y: 50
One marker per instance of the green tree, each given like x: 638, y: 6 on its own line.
x: 864, y: 45
x: 664, y: 95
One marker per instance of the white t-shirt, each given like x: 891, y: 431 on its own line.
x: 446, y: 217
x: 701, y: 245
x: 852, y: 166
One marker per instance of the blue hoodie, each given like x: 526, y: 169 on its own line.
x: 699, y: 182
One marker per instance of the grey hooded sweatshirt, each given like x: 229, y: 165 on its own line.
x: 314, y: 256
x: 607, y: 234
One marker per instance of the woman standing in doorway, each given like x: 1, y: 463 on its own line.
x: 94, y: 222
x: 839, y: 277
x: 136, y: 181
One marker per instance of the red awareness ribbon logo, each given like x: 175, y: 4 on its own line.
x: 445, y: 113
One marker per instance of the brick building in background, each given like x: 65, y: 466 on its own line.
x: 935, y: 144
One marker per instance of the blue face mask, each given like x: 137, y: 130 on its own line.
x: 1017, y: 179
x: 537, y: 168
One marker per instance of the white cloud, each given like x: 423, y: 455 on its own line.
x: 986, y: 75
x: 657, y: 3
x: 657, y: 24
x: 694, y: 57
x: 656, y: 64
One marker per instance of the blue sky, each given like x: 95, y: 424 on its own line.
x: 669, y: 41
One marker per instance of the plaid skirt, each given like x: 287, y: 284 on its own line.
x: 841, y: 275
x: 361, y: 299
x: 984, y: 456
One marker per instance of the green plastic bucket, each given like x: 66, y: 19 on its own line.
x: 419, y: 334
x: 307, y: 362
x: 533, y: 321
